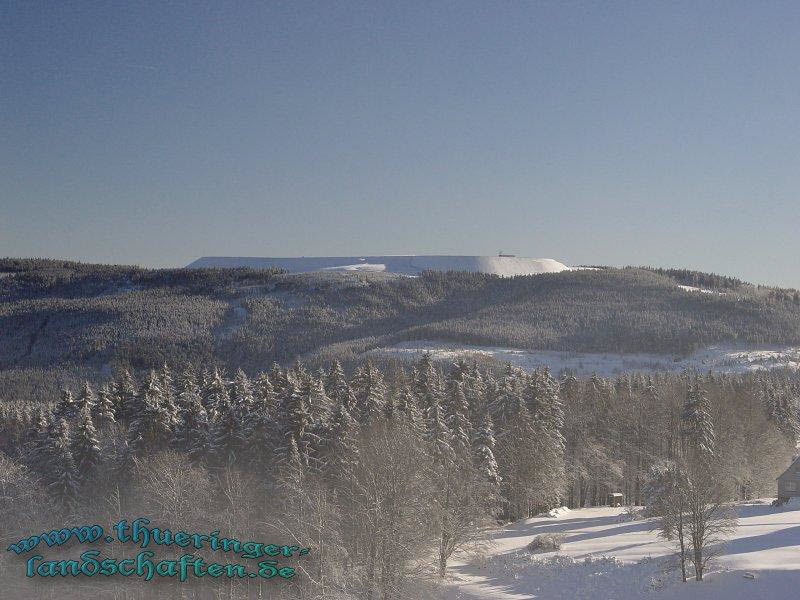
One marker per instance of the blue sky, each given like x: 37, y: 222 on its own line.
x: 612, y: 133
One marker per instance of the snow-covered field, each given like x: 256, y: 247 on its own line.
x: 505, y: 266
x: 723, y: 359
x: 606, y: 557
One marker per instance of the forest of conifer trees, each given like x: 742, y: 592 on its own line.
x: 384, y: 474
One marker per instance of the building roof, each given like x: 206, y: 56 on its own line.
x: 789, y: 468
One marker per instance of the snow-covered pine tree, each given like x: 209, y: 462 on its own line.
x: 455, y: 412
x: 229, y: 433
x: 66, y: 408
x: 697, y: 425
x: 262, y: 431
x: 427, y: 384
x: 298, y: 373
x: 264, y: 396
x: 242, y: 394
x: 370, y: 391
x: 475, y: 391
x: 153, y: 426
x: 406, y: 408
x: 337, y: 388
x: 85, y: 446
x: 292, y: 469
x: 319, y: 404
x: 61, y: 475
x: 483, y: 444
x: 126, y: 397
x: 41, y: 428
x: 103, y: 410
x: 261, y: 435
x: 279, y: 378
x: 294, y: 423
x: 781, y: 407
x: 437, y: 435
x: 167, y: 384
x: 215, y: 394
x: 460, y: 371
x: 339, y: 447
x: 389, y: 409
x: 508, y: 404
x: 544, y: 404
x: 193, y: 431
x: 86, y: 399
x: 187, y: 389
x: 542, y: 397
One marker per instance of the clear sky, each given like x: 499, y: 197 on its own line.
x: 614, y: 133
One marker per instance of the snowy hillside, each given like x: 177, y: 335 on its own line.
x: 405, y: 265
x: 721, y: 359
x: 605, y: 557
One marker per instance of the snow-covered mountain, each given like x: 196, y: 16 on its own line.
x: 506, y: 266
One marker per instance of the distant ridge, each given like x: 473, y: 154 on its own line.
x: 504, y: 265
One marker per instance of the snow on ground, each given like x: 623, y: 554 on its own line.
x: 359, y: 267
x: 604, y: 556
x: 722, y: 358
x: 554, y: 513
x: 505, y: 266
x: 691, y: 288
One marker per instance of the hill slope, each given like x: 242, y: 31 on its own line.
x: 56, y: 314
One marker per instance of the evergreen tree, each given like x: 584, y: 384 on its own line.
x: 153, y: 426
x: 338, y: 389
x: 698, y: 429
x: 264, y: 396
x: 187, y: 390
x: 242, y: 394
x: 61, y: 475
x: 406, y: 408
x: 279, y: 379
x: 66, y: 408
x: 475, y: 392
x: 437, y: 435
x: 229, y: 434
x: 167, y: 380
x: 294, y: 423
x: 370, y: 392
x: 261, y: 436
x: 103, y: 409
x: 86, y: 446
x: 340, y: 442
x: 193, y: 432
x: 389, y: 409
x: 319, y: 404
x: 215, y: 394
x: 456, y: 419
x: 483, y: 445
x: 126, y: 397
x: 509, y: 404
x: 427, y: 386
x: 545, y: 408
x: 86, y: 399
x: 782, y: 408
x: 41, y: 428
x: 262, y: 430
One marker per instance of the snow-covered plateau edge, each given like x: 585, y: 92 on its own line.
x: 718, y: 358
